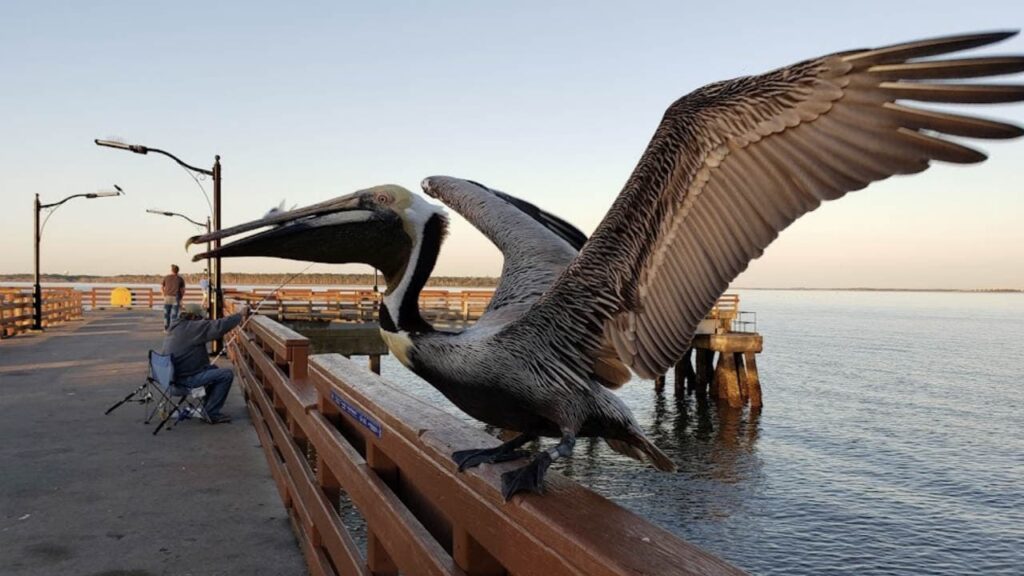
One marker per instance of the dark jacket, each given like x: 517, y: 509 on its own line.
x: 186, y: 341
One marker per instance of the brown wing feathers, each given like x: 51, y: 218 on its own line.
x: 734, y: 163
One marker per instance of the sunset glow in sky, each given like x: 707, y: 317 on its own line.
x: 553, y: 102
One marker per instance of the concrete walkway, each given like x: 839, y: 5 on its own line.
x: 86, y: 494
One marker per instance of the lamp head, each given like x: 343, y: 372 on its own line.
x: 137, y: 148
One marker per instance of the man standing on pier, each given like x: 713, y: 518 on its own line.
x: 173, y: 289
x: 186, y: 343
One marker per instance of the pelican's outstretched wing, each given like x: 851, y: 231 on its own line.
x: 536, y: 245
x: 734, y: 163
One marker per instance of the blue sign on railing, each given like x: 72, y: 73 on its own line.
x: 367, y: 422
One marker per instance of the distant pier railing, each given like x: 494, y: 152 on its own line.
x: 16, y: 308
x: 335, y: 432
x: 291, y: 304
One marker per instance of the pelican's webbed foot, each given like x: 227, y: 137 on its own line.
x: 503, y: 453
x: 530, y: 478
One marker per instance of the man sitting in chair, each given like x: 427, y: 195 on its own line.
x: 186, y: 341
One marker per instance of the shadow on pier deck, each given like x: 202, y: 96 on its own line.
x: 87, y: 494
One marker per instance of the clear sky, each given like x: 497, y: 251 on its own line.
x: 551, y: 101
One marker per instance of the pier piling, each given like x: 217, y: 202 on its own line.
x: 732, y: 379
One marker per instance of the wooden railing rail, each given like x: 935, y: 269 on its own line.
x: 329, y: 427
x: 99, y: 297
x: 16, y: 308
x: 305, y: 304
x: 15, y: 312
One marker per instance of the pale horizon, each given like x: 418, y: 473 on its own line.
x: 552, y: 103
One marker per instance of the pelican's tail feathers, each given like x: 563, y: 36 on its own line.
x: 640, y: 448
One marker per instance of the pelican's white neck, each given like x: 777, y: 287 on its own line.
x: 425, y: 223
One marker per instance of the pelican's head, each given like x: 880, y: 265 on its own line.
x: 378, y: 226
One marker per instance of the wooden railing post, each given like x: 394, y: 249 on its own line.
x: 328, y: 482
x: 377, y: 556
x: 472, y: 557
x: 298, y: 363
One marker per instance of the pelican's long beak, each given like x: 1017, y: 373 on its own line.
x: 347, y: 229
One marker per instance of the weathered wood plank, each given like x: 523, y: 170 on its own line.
x: 729, y: 342
x: 408, y: 542
x: 555, y: 530
x: 316, y: 507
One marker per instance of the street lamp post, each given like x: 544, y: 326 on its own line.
x: 37, y: 287
x: 205, y: 226
x: 215, y: 173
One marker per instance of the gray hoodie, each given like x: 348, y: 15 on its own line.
x: 186, y: 341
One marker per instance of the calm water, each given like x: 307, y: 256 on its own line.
x: 891, y: 441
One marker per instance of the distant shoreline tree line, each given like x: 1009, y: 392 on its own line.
x: 253, y: 279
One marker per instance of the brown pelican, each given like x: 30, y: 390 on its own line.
x: 729, y: 167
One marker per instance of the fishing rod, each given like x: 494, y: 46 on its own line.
x: 254, y: 310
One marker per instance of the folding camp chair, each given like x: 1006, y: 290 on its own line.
x: 159, y: 388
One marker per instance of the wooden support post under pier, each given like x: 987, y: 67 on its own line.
x: 704, y: 370
x: 741, y: 376
x: 752, y: 382
x: 726, y: 381
x: 686, y: 378
x: 734, y: 378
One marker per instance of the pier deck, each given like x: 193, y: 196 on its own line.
x: 84, y: 493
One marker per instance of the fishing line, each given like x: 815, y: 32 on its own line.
x: 254, y: 310
x: 201, y: 188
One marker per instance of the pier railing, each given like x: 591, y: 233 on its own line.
x: 59, y: 305
x: 333, y: 431
x: 356, y: 305
x: 443, y: 307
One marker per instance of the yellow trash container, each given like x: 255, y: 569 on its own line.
x: 121, y: 297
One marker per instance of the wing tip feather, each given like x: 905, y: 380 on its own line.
x: 928, y: 47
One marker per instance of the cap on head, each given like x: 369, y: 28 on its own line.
x: 192, y: 311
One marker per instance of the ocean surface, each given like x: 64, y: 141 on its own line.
x: 891, y: 440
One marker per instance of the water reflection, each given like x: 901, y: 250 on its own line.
x: 867, y: 459
x: 681, y: 420
x: 714, y: 446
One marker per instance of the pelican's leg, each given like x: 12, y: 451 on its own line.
x: 530, y: 478
x: 507, y: 451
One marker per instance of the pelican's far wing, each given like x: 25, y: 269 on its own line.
x: 536, y: 245
x: 734, y: 163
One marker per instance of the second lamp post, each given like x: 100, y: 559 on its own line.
x: 207, y: 297
x: 218, y: 293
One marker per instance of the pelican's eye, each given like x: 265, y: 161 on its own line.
x: 383, y: 198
